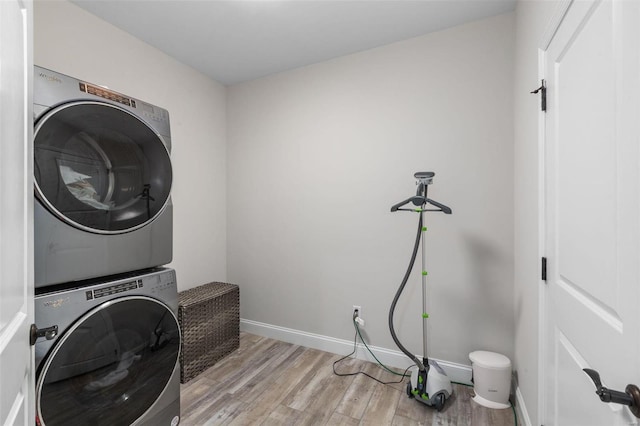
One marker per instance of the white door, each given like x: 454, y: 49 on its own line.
x: 16, y: 213
x: 592, y: 191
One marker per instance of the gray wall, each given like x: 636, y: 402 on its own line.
x: 71, y: 41
x: 531, y: 21
x: 315, y: 158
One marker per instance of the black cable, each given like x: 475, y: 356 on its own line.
x: 397, y: 296
x: 355, y: 324
x: 355, y: 339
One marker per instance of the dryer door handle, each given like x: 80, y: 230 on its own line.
x: 48, y: 333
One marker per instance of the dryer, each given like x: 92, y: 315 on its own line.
x: 112, y: 354
x: 102, y: 181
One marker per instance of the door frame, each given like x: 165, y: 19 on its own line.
x: 550, y: 31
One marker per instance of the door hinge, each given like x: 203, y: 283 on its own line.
x: 543, y: 95
x: 544, y: 269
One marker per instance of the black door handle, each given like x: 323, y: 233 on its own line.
x: 48, y: 333
x: 630, y: 396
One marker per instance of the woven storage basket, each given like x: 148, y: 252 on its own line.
x: 209, y: 317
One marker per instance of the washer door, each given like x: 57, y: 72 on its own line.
x: 100, y: 168
x: 111, y: 365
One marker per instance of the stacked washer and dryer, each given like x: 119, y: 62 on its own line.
x: 108, y: 338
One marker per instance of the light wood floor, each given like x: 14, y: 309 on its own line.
x: 269, y: 382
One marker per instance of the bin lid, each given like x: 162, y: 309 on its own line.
x: 489, y: 359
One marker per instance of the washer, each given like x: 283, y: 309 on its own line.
x: 102, y: 181
x: 108, y: 352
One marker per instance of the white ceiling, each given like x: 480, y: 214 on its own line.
x: 236, y: 40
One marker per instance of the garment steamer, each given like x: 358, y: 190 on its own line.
x: 429, y: 384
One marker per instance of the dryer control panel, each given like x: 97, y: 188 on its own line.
x: 107, y: 94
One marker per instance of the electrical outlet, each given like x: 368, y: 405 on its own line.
x: 357, y: 308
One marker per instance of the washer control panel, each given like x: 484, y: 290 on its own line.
x: 113, y: 289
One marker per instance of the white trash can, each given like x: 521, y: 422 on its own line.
x: 491, y: 379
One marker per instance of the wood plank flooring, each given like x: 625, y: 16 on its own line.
x: 269, y: 382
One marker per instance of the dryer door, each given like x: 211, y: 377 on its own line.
x: 100, y: 168
x: 111, y: 365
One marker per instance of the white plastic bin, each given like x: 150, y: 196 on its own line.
x: 491, y: 378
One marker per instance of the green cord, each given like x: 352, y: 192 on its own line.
x: 355, y: 324
x: 355, y: 340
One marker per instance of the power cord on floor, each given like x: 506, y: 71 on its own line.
x: 355, y: 342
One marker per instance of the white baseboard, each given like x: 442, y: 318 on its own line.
x: 457, y: 372
x: 523, y: 416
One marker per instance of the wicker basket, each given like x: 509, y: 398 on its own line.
x: 209, y: 317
